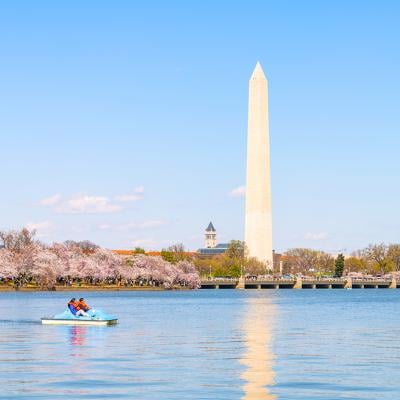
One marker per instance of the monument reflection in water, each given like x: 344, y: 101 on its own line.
x: 258, y: 357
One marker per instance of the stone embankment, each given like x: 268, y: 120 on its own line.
x: 300, y: 283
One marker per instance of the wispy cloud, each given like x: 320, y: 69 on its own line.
x: 238, y: 192
x: 87, y: 204
x: 139, y: 189
x: 135, y: 195
x: 104, y: 227
x: 125, y: 198
x: 148, y: 224
x: 40, y: 227
x: 50, y: 201
x: 316, y: 236
x: 84, y: 204
x: 152, y: 223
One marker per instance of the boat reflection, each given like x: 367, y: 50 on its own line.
x: 258, y: 357
x: 77, y: 335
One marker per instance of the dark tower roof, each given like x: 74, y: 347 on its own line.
x: 210, y: 228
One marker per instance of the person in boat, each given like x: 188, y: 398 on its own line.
x: 73, y: 306
x: 83, y: 306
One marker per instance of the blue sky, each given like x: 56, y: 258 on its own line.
x: 125, y: 123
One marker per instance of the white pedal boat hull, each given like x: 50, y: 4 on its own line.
x: 92, y: 322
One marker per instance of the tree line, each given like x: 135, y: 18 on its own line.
x: 26, y: 261
x: 375, y: 259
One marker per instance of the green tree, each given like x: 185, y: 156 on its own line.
x: 339, y: 266
x: 235, y: 271
x: 175, y: 253
x: 139, y: 250
x: 253, y: 266
x: 356, y: 264
x: 232, y: 263
x: 236, y: 250
x: 168, y: 256
x: 235, y: 258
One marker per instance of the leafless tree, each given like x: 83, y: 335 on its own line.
x: 301, y: 260
x: 378, y: 254
x: 393, y: 254
x: 17, y: 241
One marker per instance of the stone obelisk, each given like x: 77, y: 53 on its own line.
x: 258, y: 224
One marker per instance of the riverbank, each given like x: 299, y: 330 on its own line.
x: 88, y: 288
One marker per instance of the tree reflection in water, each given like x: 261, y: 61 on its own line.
x: 258, y: 357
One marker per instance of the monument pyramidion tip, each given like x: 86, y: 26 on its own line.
x: 258, y: 72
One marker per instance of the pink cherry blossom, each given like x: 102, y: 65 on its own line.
x: 26, y: 261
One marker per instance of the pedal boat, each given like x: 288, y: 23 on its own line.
x: 66, y: 318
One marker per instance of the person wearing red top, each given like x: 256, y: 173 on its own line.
x: 82, y: 305
x: 75, y: 309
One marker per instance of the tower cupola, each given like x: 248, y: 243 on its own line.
x: 210, y: 236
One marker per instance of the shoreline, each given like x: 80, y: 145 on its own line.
x: 4, y: 288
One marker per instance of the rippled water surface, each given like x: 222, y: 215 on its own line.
x: 226, y: 344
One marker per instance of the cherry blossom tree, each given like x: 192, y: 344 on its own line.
x: 188, y: 275
x: 47, y: 268
x: 26, y: 261
x: 8, y: 269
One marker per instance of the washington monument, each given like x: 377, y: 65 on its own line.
x: 258, y: 224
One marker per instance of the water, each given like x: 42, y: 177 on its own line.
x: 226, y: 344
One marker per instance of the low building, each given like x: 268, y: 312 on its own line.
x: 211, y: 247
